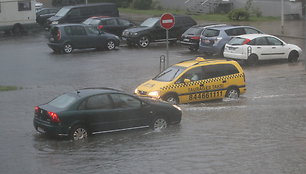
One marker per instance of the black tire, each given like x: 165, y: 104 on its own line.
x: 144, y: 41
x: 78, y: 132
x: 293, y: 56
x: 172, y: 99
x: 252, y: 60
x: 194, y: 49
x: 159, y: 123
x: 232, y: 93
x: 67, y: 48
x: 17, y: 29
x: 221, y: 52
x: 110, y: 45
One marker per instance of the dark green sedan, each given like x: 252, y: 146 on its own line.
x: 83, y: 112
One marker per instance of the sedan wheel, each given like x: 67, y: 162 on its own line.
x: 67, y: 48
x: 110, y: 45
x: 232, y: 93
x: 293, y: 56
x: 171, y: 99
x: 159, y: 124
x: 79, y: 133
x: 144, y: 41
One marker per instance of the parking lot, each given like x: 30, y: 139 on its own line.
x: 264, y: 131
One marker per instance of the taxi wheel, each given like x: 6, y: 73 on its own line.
x: 293, y: 56
x: 232, y: 93
x: 144, y: 41
x: 78, y: 132
x: 172, y: 99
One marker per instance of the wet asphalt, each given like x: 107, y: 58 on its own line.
x: 264, y: 131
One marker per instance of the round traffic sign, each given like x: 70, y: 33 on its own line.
x: 167, y: 21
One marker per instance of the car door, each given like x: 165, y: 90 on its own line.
x: 80, y: 38
x: 190, y: 86
x: 111, y: 26
x: 158, y: 33
x: 131, y: 112
x: 262, y: 48
x: 73, y: 16
x: 278, y: 50
x: 99, y: 113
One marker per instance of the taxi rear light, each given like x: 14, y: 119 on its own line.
x: 54, y: 117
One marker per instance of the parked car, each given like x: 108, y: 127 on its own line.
x: 43, y: 14
x: 114, y: 25
x: 78, y: 13
x: 38, y: 5
x: 83, y: 112
x: 213, y: 39
x: 66, y: 37
x: 191, y: 37
x: 195, y: 81
x: 151, y: 31
x: 254, y: 47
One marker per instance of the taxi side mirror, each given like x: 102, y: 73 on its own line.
x: 187, y: 80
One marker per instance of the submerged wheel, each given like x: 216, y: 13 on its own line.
x: 232, y: 93
x: 110, y: 45
x: 293, y: 56
x: 172, y: 99
x: 144, y: 41
x: 79, y: 132
x: 159, y: 123
x: 67, y: 48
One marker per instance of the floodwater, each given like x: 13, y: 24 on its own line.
x: 264, y: 131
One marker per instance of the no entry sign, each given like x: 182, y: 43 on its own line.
x: 167, y: 21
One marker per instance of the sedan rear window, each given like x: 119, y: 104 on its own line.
x: 210, y: 33
x: 62, y: 101
x: 236, y: 41
x: 193, y: 31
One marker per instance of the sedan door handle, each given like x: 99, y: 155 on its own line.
x: 273, y: 47
x: 258, y: 47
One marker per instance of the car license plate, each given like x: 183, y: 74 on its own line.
x: 51, y: 39
x: 41, y: 130
x: 206, y: 41
x: 123, y: 38
x: 187, y: 40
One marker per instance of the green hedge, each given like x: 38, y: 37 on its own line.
x: 239, y: 14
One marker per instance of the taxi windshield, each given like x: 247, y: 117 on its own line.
x: 169, y: 74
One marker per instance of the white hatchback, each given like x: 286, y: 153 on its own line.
x: 254, y: 47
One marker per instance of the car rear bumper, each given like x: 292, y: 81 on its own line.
x: 45, y: 127
x: 235, y: 56
x: 193, y: 44
x: 55, y: 45
x: 210, y: 49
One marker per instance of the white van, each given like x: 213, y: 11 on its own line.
x: 17, y: 16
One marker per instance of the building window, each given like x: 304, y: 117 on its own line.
x: 24, y: 5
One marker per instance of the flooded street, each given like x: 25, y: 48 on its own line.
x: 264, y: 131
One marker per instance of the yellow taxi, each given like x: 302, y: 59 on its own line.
x: 196, y: 80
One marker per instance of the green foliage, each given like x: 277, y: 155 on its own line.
x: 239, y: 14
x: 142, y: 4
x: 8, y: 88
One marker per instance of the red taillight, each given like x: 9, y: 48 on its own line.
x: 36, y: 109
x: 246, y: 41
x: 100, y: 27
x: 195, y: 38
x: 58, y: 36
x: 54, y: 117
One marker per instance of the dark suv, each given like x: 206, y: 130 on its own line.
x: 213, y: 39
x: 66, y: 37
x: 151, y: 31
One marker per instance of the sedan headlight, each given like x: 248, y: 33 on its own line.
x: 54, y: 22
x: 154, y: 94
x: 177, y: 107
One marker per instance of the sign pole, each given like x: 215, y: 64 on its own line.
x: 167, y: 50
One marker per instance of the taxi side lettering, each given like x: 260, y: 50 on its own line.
x: 205, y: 95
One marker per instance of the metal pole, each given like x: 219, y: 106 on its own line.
x: 167, y: 39
x: 282, y: 16
x: 304, y: 34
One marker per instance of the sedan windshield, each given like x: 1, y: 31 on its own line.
x: 62, y: 12
x: 149, y: 22
x: 169, y: 74
x: 62, y: 101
